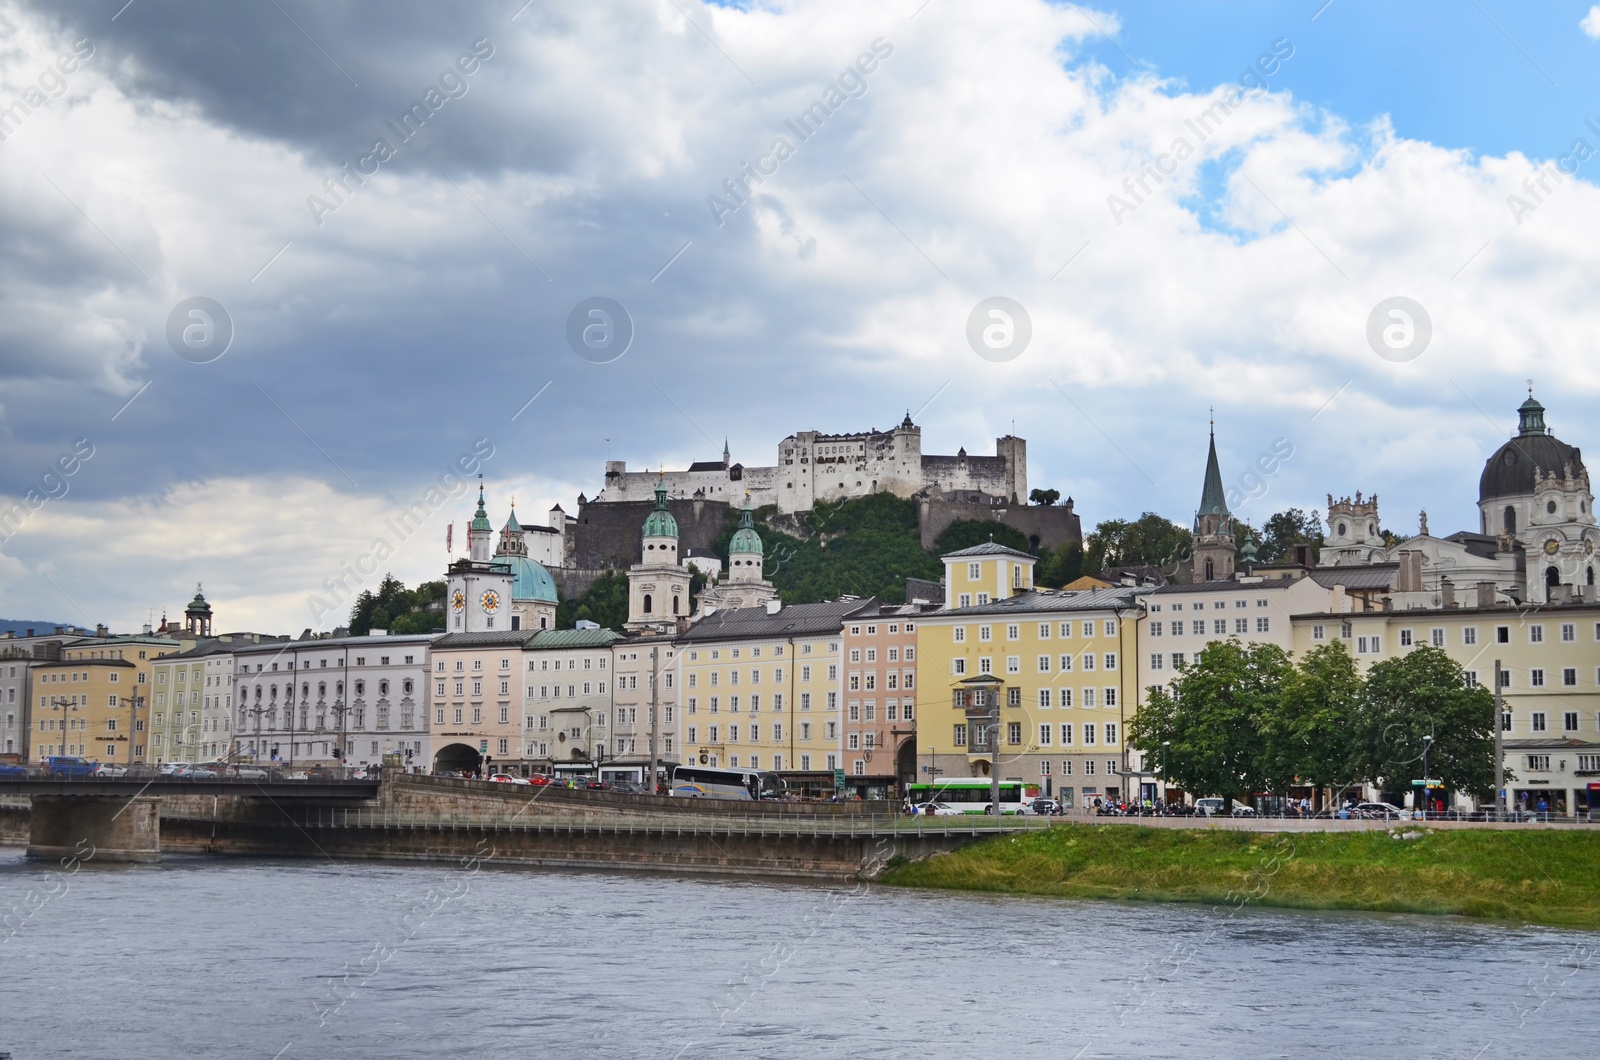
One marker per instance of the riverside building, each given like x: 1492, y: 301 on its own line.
x: 1047, y: 668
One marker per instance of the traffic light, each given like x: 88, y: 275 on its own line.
x: 408, y: 754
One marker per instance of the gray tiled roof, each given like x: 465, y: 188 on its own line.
x: 1053, y: 600
x: 1363, y: 576
x: 790, y: 620
x: 988, y: 548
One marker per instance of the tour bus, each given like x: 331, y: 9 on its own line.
x: 699, y: 782
x: 972, y: 794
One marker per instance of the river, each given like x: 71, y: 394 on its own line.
x: 284, y: 960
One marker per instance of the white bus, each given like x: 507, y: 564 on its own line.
x: 699, y: 782
x: 973, y: 794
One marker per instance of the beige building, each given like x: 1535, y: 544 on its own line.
x: 1550, y: 677
x: 761, y: 688
x: 880, y: 698
x: 95, y: 700
x: 638, y: 666
x: 568, y: 721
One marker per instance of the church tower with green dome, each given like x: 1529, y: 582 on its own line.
x: 744, y: 586
x: 658, y: 585
x: 479, y: 590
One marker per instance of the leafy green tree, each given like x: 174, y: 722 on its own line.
x: 1150, y: 539
x: 1044, y: 496
x: 1284, y: 529
x: 1211, y: 718
x: 1425, y: 693
x: 1058, y: 566
x: 396, y: 608
x: 1308, y: 728
x: 605, y: 602
x: 863, y: 547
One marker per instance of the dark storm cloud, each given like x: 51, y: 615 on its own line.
x: 323, y: 76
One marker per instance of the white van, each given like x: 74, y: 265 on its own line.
x: 1208, y: 807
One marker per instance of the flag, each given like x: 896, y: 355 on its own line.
x: 449, y: 538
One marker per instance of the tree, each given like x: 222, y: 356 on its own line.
x: 1150, y: 539
x: 398, y: 609
x: 1287, y: 528
x: 1210, y: 716
x: 1059, y: 565
x: 1308, y: 728
x: 1425, y: 693
x: 1044, y: 496
x: 605, y: 602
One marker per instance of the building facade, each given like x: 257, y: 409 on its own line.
x: 761, y: 688
x: 880, y: 698
x: 644, y: 695
x: 94, y: 700
x: 332, y: 701
x: 569, y: 723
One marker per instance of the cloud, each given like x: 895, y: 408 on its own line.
x: 1591, y: 23
x: 374, y: 342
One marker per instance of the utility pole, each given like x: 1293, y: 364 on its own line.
x: 994, y: 755
x: 655, y: 715
x: 1499, y: 755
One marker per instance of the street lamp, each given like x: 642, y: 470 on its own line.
x: 134, y: 702
x: 1165, y: 745
x: 63, y: 704
x: 1427, y: 745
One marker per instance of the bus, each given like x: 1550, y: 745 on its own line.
x: 699, y: 782
x: 972, y: 794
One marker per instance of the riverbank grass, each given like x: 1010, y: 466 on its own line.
x: 1537, y: 876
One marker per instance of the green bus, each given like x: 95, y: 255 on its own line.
x: 972, y: 794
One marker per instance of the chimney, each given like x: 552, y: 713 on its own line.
x: 774, y: 606
x: 101, y: 630
x: 30, y: 632
x: 1486, y: 594
x: 1340, y: 604
x: 1300, y: 554
x: 147, y: 629
x: 1409, y: 578
x: 60, y: 630
x: 1447, y: 590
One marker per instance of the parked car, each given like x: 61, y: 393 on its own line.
x: 8, y: 769
x: 1244, y: 811
x: 627, y: 787
x: 171, y: 769
x: 111, y: 770
x: 1381, y: 811
x: 69, y: 766
x: 539, y: 780
x: 1210, y: 806
x: 507, y: 778
x: 1042, y: 807
x: 200, y: 773
x: 247, y: 773
x: 938, y: 809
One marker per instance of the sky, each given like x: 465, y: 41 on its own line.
x: 1349, y: 231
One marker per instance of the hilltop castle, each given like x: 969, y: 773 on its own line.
x: 813, y: 467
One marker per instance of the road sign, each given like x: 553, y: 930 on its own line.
x: 838, y: 780
x: 1427, y: 783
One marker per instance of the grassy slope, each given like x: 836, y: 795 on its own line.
x: 1539, y: 876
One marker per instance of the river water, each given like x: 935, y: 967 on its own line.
x: 284, y: 960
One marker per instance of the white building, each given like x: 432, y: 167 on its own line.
x: 320, y: 702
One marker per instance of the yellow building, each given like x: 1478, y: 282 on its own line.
x: 760, y: 688
x: 1058, y: 662
x: 95, y: 700
x: 1550, y: 675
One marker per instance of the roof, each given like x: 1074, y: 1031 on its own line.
x: 708, y: 465
x: 1037, y: 601
x: 276, y: 647
x: 530, y: 580
x: 1510, y: 472
x: 988, y: 548
x: 745, y: 540
x: 1213, y: 498
x: 1363, y: 576
x: 924, y: 589
x: 556, y: 639
x: 488, y: 638
x: 738, y: 623
x: 1224, y: 585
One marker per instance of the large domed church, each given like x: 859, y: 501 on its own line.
x: 1536, y: 539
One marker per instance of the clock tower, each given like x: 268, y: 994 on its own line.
x: 478, y: 589
x: 658, y: 585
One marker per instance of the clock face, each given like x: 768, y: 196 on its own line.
x: 1552, y: 546
x: 490, y: 600
x: 459, y: 600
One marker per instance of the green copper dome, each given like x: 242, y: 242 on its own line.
x: 660, y: 522
x: 745, y: 539
x: 480, y: 518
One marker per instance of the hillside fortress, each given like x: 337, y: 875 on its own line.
x: 813, y: 467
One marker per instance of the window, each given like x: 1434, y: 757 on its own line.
x: 1110, y: 661
x: 1319, y: 632
x: 1405, y: 638
x: 1241, y: 625
x: 1013, y: 632
x: 1536, y: 634
x: 1045, y: 733
x: 974, y: 571
x: 1536, y: 678
x: 1088, y: 697
x: 1111, y: 732
x: 1155, y: 629
x: 1088, y: 733
x: 1066, y: 664
x: 1199, y: 627
x: 1066, y: 734
x: 1044, y: 697
x: 1469, y: 635
x: 1537, y: 721
x: 1088, y: 629
x: 1088, y: 767
x: 1065, y: 630
x: 1437, y: 637
x: 1569, y: 676
x: 1569, y: 721
x: 1219, y: 627
x: 1502, y: 634
x: 985, y: 633
x: 960, y: 735
x: 1569, y: 632
x: 1013, y: 664
x: 1263, y: 624
x: 1538, y: 763
x: 1014, y: 732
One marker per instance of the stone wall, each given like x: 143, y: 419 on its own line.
x: 609, y: 536
x: 1045, y: 526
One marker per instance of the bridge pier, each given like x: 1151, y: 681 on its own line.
x: 126, y: 829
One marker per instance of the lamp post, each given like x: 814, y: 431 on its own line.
x: 134, y: 702
x: 64, y: 705
x: 994, y: 756
x: 1427, y: 745
x: 1165, y: 745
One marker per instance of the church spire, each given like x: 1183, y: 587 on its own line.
x: 1213, y: 498
x: 727, y: 460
